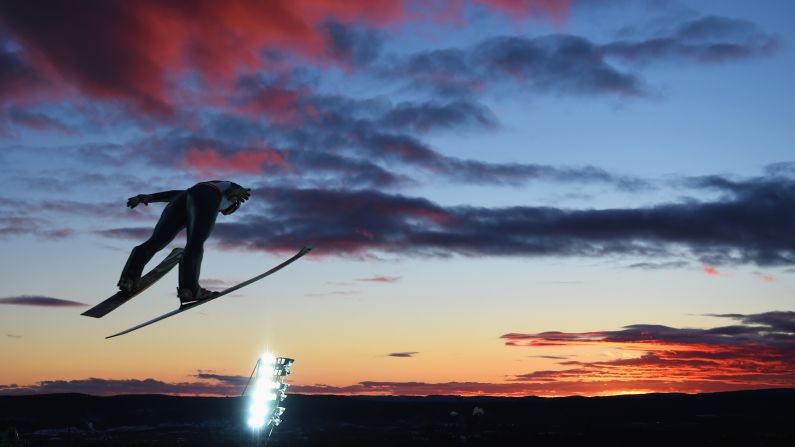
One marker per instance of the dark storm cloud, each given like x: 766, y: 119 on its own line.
x: 707, y: 39
x: 350, y: 44
x: 39, y: 301
x: 752, y: 226
x: 403, y: 354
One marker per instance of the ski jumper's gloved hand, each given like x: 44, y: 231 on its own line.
x: 132, y: 202
x: 236, y: 195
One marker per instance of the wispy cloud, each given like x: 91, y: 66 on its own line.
x: 403, y: 354
x: 765, y: 277
x: 334, y: 293
x: 15, y: 225
x: 712, y: 271
x: 658, y: 265
x: 39, y: 301
x: 381, y: 279
x: 711, y: 39
x: 225, y: 379
x: 574, y: 64
x: 217, y: 283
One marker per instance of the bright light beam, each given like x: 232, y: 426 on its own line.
x: 269, y: 391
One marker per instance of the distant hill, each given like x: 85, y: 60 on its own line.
x: 743, y: 418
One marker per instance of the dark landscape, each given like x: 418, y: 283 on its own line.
x: 744, y: 418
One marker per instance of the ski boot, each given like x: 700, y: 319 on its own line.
x: 186, y: 295
x: 128, y: 285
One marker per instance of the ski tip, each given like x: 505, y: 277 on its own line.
x: 307, y: 248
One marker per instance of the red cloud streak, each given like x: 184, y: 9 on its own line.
x: 757, y: 354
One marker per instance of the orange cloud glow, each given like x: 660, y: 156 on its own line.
x: 755, y: 354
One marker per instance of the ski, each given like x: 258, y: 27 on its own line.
x: 110, y: 304
x: 189, y: 306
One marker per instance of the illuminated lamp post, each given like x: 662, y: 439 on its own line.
x: 264, y: 411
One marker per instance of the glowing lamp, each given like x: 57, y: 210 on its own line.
x: 268, y: 392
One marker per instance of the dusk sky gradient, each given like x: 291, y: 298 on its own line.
x: 505, y: 197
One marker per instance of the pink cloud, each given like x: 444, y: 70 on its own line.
x: 244, y: 161
x: 381, y: 279
x: 712, y: 271
x: 765, y: 277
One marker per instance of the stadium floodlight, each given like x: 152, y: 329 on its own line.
x: 268, y: 392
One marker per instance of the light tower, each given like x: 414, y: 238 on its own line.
x: 269, y: 390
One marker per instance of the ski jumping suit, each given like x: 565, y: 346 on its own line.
x: 196, y: 209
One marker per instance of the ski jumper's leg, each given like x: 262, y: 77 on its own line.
x: 172, y: 220
x: 203, y: 202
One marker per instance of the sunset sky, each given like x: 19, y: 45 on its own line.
x: 505, y: 197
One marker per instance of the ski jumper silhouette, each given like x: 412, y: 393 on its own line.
x: 195, y: 209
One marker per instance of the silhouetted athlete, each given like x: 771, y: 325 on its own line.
x: 195, y: 208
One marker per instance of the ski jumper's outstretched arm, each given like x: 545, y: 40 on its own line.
x: 164, y: 196
x: 146, y: 199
